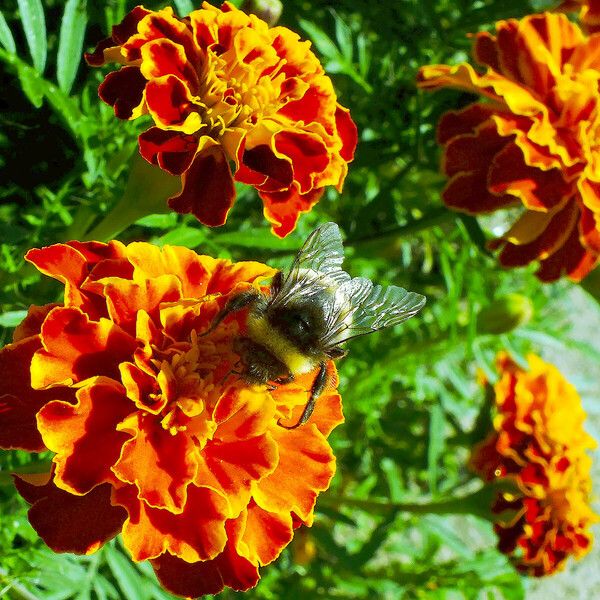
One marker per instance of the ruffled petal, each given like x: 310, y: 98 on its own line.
x: 197, y: 534
x: 303, y: 450
x: 75, y: 348
x: 160, y: 463
x: 208, y: 191
x: 85, y: 436
x: 19, y: 403
x: 210, y: 577
x: 68, y: 523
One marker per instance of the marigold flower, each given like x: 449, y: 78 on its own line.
x: 155, y: 435
x: 538, y: 451
x: 589, y: 12
x: 222, y: 86
x: 532, y: 144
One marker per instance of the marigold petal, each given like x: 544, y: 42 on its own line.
x: 537, y: 189
x: 68, y: 523
x: 84, y: 435
x: 102, y: 53
x: 307, y: 153
x: 462, y: 122
x: 230, y: 468
x: 161, y: 464
x: 124, y: 90
x: 162, y: 57
x: 172, y: 151
x: 19, y: 403
x: 555, y: 234
x: 210, y: 577
x: 572, y: 259
x: 259, y: 165
x: 64, y: 263
x: 208, y: 191
x: 170, y: 102
x: 265, y: 535
x: 282, y: 209
x: 589, y: 230
x: 125, y: 299
x: 468, y: 192
x: 348, y: 132
x: 75, y: 348
x: 243, y: 413
x: 32, y: 323
x: 198, y: 533
x: 473, y: 151
x: 303, y: 450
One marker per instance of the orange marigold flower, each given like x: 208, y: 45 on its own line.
x: 154, y: 435
x: 532, y: 144
x: 221, y: 86
x: 589, y: 12
x: 538, y: 452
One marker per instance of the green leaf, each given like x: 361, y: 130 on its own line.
x: 36, y: 88
x: 436, y: 444
x: 12, y: 318
x: 125, y: 574
x: 70, y: 45
x: 321, y: 40
x: 183, y: 236
x: 34, y: 25
x: 184, y: 7
x: 343, y: 35
x: 6, y: 36
x: 257, y: 238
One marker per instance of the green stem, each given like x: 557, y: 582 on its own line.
x: 437, y: 216
x: 146, y: 193
x: 478, y: 503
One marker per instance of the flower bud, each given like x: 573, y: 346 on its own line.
x: 267, y: 10
x: 505, y: 314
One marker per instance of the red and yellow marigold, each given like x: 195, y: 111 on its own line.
x: 223, y: 88
x: 589, y: 12
x: 154, y: 434
x: 532, y: 144
x: 538, y: 456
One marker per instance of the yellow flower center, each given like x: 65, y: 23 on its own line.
x: 191, y: 377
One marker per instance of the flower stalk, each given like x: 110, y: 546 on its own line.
x: 477, y: 503
x: 145, y: 194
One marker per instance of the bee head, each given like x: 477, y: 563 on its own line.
x: 301, y: 323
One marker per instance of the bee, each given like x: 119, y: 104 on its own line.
x: 309, y: 313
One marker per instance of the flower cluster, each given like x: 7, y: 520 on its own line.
x: 589, y: 12
x: 532, y: 144
x: 537, y: 454
x: 155, y: 434
x: 220, y: 87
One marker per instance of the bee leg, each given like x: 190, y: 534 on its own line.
x: 317, y: 389
x: 233, y: 305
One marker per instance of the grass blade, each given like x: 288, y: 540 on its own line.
x: 70, y: 45
x: 6, y: 36
x: 34, y: 25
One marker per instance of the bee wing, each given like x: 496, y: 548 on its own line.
x: 321, y: 256
x: 360, y: 307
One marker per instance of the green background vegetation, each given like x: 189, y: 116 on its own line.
x: 412, y: 404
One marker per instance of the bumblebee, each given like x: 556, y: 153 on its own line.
x: 308, y: 313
